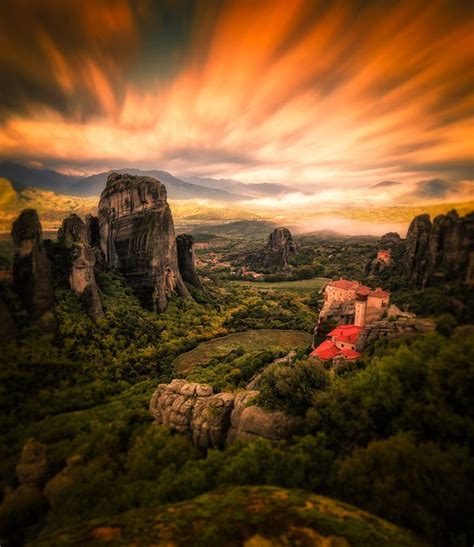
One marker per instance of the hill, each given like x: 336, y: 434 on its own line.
x: 247, y: 515
x: 23, y: 176
x: 52, y: 207
x: 242, y: 229
x: 255, y: 190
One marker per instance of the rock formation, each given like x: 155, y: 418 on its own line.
x: 391, y: 241
x: 59, y: 484
x: 274, y: 256
x: 73, y: 235
x: 137, y: 237
x: 279, y: 248
x: 92, y: 230
x: 32, y: 275
x: 400, y: 328
x: 214, y: 419
x: 440, y: 252
x: 186, y: 261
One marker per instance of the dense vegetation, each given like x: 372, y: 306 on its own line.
x: 393, y: 434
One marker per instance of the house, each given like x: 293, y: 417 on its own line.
x: 341, y: 343
x: 350, y: 301
x: 384, y: 256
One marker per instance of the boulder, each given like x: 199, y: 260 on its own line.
x: 32, y: 274
x: 137, y: 237
x: 249, y: 421
x: 187, y: 261
x: 73, y: 236
x: 214, y: 419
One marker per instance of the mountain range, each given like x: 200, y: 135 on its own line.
x: 224, y: 190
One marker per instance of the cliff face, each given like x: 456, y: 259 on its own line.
x: 442, y: 251
x: 137, y: 237
x: 74, y: 236
x: 187, y: 261
x: 32, y: 275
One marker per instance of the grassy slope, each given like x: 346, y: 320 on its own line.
x: 249, y: 340
x: 250, y: 515
x: 301, y: 286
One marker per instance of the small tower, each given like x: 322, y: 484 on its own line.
x: 360, y: 310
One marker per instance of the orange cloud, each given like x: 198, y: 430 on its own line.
x: 343, y: 93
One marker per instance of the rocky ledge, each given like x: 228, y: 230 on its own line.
x: 215, y: 419
x: 399, y: 328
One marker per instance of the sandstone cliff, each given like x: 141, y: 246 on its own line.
x: 187, y: 261
x: 137, y: 237
x: 216, y: 419
x: 32, y: 275
x: 74, y: 235
x: 440, y: 252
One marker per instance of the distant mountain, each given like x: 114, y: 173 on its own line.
x: 177, y: 188
x: 385, y: 184
x: 265, y: 189
x: 23, y: 176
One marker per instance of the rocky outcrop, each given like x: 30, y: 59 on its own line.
x: 401, y: 327
x: 73, y: 235
x: 391, y: 241
x: 450, y: 250
x: 187, y: 261
x: 214, y: 419
x: 440, y: 252
x: 249, y: 421
x: 137, y: 237
x: 32, y: 275
x: 279, y: 249
x: 57, y: 486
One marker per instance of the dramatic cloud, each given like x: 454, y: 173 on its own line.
x: 306, y: 93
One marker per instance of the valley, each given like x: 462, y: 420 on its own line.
x: 151, y: 375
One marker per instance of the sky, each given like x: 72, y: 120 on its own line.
x: 331, y: 95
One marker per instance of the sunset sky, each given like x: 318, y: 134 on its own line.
x: 328, y: 95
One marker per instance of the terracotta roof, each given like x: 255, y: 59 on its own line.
x: 326, y: 350
x: 358, y: 288
x: 380, y: 293
x: 346, y: 333
x: 344, y: 284
x: 350, y: 354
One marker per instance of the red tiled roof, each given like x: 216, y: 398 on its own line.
x: 350, y: 354
x: 358, y: 288
x: 379, y: 293
x: 344, y: 284
x: 326, y: 350
x: 346, y: 333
